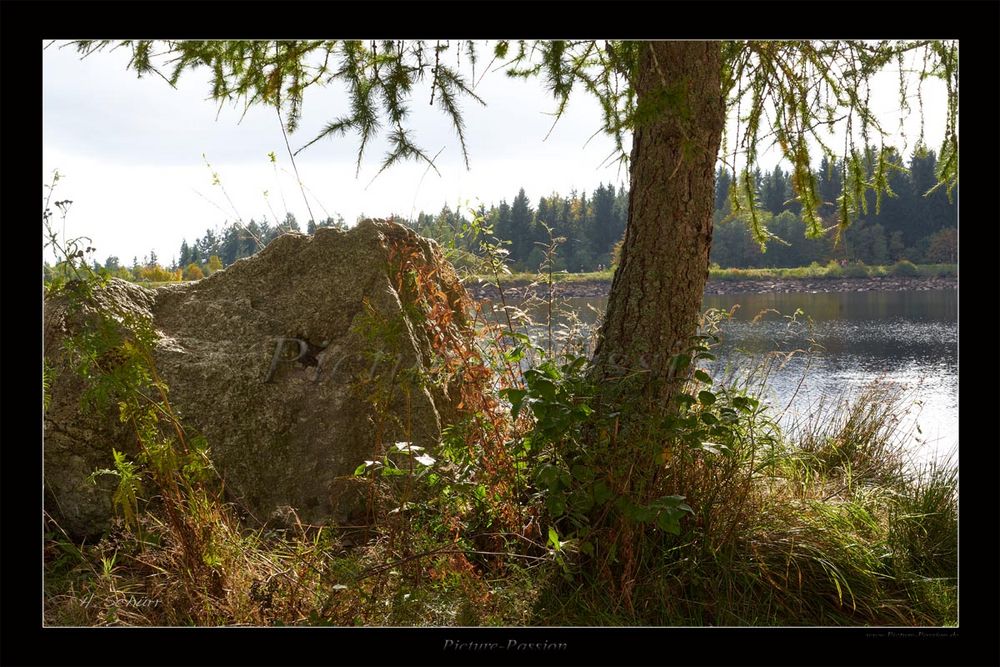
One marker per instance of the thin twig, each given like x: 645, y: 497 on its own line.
x: 295, y: 167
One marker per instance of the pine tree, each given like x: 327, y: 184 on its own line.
x: 603, y: 235
x: 290, y: 224
x: 830, y: 185
x: 209, y: 244
x: 723, y: 181
x: 520, y: 223
x: 251, y: 239
x: 773, y: 194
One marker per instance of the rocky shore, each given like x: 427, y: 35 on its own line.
x: 599, y: 288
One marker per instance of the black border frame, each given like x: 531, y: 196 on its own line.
x: 26, y: 24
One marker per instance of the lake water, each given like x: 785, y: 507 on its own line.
x: 906, y: 340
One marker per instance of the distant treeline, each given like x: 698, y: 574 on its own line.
x: 211, y: 252
x: 909, y: 225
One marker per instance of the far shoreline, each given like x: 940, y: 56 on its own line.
x: 599, y: 287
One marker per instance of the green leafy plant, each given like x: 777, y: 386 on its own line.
x: 129, y: 488
x: 855, y: 270
x: 904, y: 269
x: 834, y: 270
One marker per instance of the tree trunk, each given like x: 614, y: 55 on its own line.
x: 657, y: 291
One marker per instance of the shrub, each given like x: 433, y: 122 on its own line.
x: 157, y: 274
x: 834, y: 270
x: 214, y: 264
x: 193, y: 272
x: 858, y: 270
x: 946, y: 271
x: 904, y: 269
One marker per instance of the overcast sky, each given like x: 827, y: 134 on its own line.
x: 131, y: 154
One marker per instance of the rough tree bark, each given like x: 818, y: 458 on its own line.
x: 657, y: 291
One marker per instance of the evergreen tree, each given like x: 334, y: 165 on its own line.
x: 251, y: 239
x: 208, y: 245
x: 930, y: 207
x: 230, y: 246
x: 723, y: 181
x: 894, y: 213
x: 502, y: 227
x: 290, y: 224
x: 602, y: 222
x: 830, y: 184
x: 521, y: 217
x: 267, y: 233
x: 774, y: 191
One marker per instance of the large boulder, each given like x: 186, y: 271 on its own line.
x: 296, y: 365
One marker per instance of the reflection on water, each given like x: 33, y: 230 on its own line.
x: 906, y: 339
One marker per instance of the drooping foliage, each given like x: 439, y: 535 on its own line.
x: 791, y: 94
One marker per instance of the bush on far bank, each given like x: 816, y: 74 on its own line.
x: 835, y: 270
x: 904, y: 269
